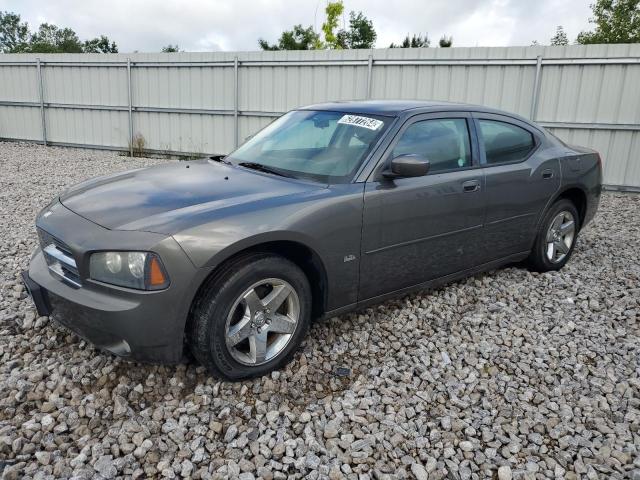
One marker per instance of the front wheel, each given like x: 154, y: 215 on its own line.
x: 251, y: 317
x: 556, y: 237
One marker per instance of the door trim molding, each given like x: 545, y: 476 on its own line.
x: 422, y: 239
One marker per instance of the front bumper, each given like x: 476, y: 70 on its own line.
x: 140, y: 326
x: 144, y: 326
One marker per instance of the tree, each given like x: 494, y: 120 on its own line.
x: 361, y: 33
x: 333, y: 11
x: 616, y: 21
x: 560, y: 38
x: 51, y: 39
x: 416, y: 41
x: 445, y: 42
x: 298, y: 38
x: 99, y: 45
x: 170, y: 48
x: 14, y: 35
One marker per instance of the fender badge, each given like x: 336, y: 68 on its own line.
x: 349, y: 258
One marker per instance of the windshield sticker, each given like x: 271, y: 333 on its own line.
x: 365, y: 122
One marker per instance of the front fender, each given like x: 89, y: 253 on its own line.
x: 329, y: 225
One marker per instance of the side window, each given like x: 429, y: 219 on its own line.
x: 445, y: 143
x: 505, y: 142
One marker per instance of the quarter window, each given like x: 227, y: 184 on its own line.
x: 505, y: 142
x: 444, y: 142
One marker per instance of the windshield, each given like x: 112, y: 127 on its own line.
x: 318, y: 145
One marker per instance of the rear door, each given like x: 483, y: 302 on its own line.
x: 421, y: 228
x: 520, y: 179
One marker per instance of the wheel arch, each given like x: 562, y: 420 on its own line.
x: 301, y: 254
x: 578, y: 196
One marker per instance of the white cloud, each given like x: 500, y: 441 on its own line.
x: 200, y: 25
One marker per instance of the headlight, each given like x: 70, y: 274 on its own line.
x: 141, y: 270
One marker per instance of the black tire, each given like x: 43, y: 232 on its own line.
x: 206, y: 328
x: 538, y: 259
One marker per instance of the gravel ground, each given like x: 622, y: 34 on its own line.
x: 505, y: 375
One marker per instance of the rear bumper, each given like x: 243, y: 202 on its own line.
x: 142, y: 326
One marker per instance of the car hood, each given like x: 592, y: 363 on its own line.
x: 167, y: 198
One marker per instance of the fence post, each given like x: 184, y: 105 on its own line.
x: 42, y: 113
x: 130, y: 101
x: 369, y: 75
x: 235, y: 101
x: 536, y: 89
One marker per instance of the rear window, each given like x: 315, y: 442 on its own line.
x: 505, y: 142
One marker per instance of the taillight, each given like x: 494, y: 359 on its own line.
x: 599, y: 160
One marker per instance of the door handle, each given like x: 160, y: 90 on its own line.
x: 471, y: 186
x: 546, y: 174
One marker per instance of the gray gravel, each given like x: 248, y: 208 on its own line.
x: 504, y: 375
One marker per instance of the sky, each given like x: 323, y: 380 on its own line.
x: 236, y: 25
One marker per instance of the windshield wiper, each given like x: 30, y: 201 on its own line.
x: 220, y: 158
x: 262, y: 168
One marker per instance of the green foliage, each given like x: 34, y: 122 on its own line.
x: 333, y: 11
x: 170, y: 48
x: 415, y: 41
x: 299, y: 38
x: 51, y: 39
x: 446, y: 42
x: 100, y: 45
x: 15, y: 37
x: 360, y: 34
x: 616, y: 21
x: 560, y: 38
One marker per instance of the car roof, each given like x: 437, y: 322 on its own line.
x: 397, y: 107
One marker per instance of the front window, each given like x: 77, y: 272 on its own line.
x: 444, y: 142
x: 318, y: 145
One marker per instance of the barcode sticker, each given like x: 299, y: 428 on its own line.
x: 358, y: 121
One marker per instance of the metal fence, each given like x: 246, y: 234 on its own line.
x: 209, y: 102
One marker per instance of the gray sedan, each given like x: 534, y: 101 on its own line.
x: 330, y: 208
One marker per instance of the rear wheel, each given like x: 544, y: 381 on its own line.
x: 251, y: 317
x: 556, y: 237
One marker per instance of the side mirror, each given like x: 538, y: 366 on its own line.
x: 408, y: 165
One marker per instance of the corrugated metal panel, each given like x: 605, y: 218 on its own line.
x: 590, y: 94
x: 85, y: 85
x: 87, y: 127
x: 270, y: 82
x: 185, y: 132
x: 185, y: 87
x: 282, y: 88
x: 19, y: 84
x: 22, y: 123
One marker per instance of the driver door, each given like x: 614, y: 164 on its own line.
x: 422, y: 228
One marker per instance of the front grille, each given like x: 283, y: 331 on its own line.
x: 60, y: 259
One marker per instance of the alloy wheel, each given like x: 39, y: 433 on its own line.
x: 262, y: 321
x: 560, y: 236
